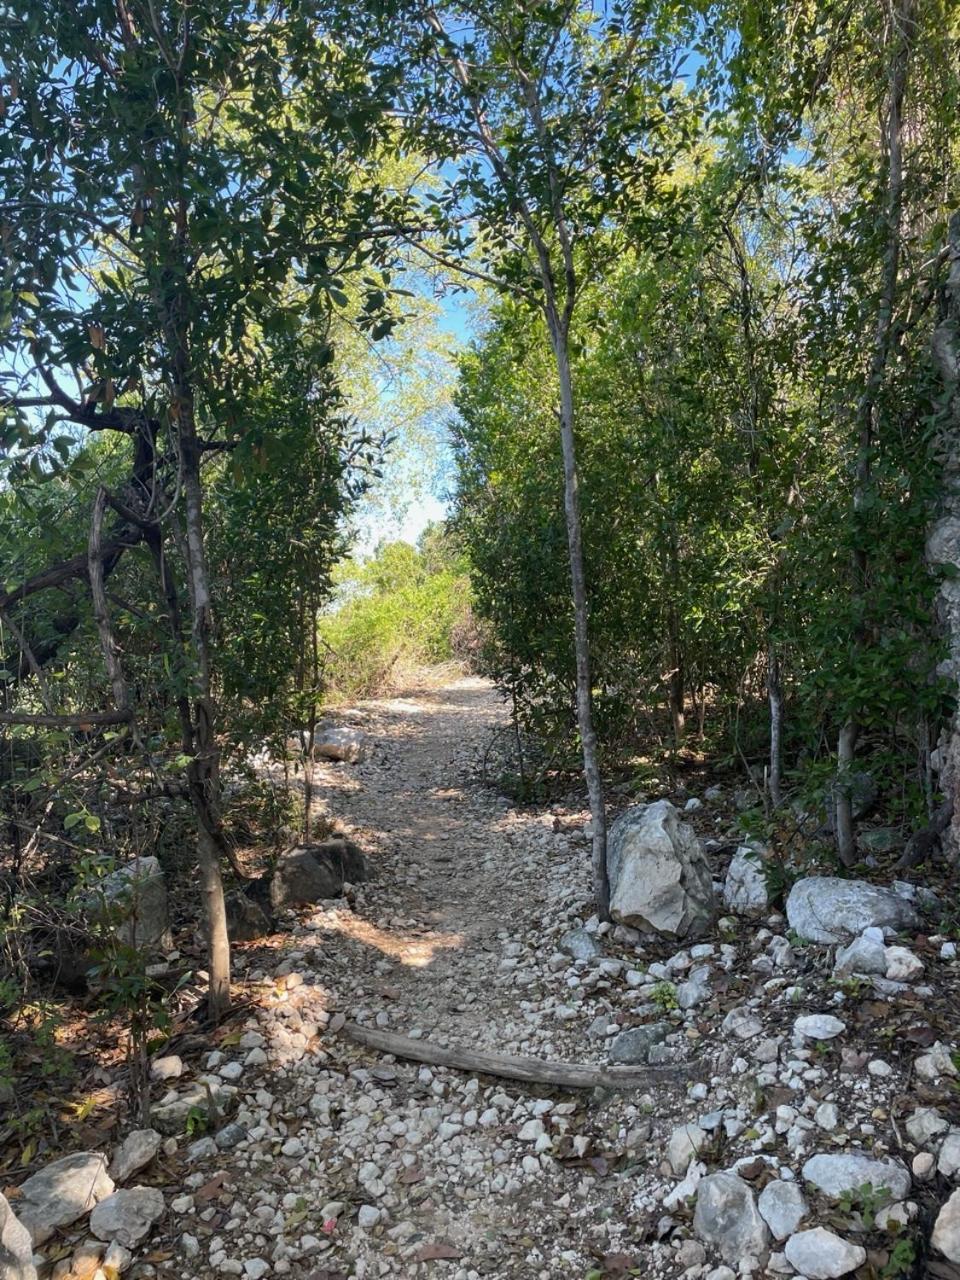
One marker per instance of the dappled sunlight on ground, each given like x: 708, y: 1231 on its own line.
x: 412, y: 950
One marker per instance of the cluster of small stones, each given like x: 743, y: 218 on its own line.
x: 772, y: 1103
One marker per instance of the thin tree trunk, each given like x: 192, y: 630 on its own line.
x: 775, y: 696
x: 309, y: 763
x: 843, y: 803
x: 675, y: 681
x: 581, y: 615
x: 943, y: 545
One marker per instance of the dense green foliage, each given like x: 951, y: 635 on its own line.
x: 740, y: 531
x: 404, y: 608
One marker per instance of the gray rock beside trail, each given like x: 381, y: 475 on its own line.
x: 863, y: 955
x: 686, y: 1143
x: 340, y: 743
x: 207, y: 1096
x: 821, y: 1255
x: 946, y: 1230
x: 127, y: 1216
x: 134, y: 1153
x: 745, y: 887
x: 580, y: 944
x: 727, y: 1217
x: 311, y: 872
x: 246, y: 919
x: 16, y: 1249
x: 132, y: 902
x: 782, y: 1207
x: 833, y: 1174
x: 660, y: 878
x: 634, y: 1044
x: 63, y: 1192
x: 830, y: 910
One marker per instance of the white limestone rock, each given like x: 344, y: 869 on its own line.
x: 946, y: 1229
x: 127, y: 1216
x: 727, y: 1217
x: 782, y: 1207
x: 16, y: 1249
x: 837, y: 1172
x: 745, y: 887
x: 660, y: 878
x: 820, y: 1254
x: 831, y: 910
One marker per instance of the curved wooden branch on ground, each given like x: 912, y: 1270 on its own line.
x: 564, y: 1075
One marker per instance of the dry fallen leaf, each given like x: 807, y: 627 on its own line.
x: 411, y: 1175
x: 435, y: 1252
x: 210, y: 1190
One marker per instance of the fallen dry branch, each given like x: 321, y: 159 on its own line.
x: 564, y: 1075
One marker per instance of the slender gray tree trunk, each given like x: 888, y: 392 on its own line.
x: 943, y: 544
x: 775, y: 697
x: 581, y: 615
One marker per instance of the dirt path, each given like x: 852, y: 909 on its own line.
x: 339, y: 1163
x: 351, y: 1165
x: 458, y: 871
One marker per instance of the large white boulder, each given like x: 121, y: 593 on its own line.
x: 660, y: 878
x: 828, y: 909
x: 16, y: 1250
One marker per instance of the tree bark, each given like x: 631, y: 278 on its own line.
x: 563, y: 1075
x: 204, y: 770
x: 943, y: 543
x: 581, y: 616
x: 775, y: 697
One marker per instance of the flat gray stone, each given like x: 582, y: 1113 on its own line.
x: 743, y: 1023
x: 134, y: 1153
x: 924, y: 1124
x: 63, y: 1192
x: 580, y: 945
x: 127, y: 1216
x: 634, y: 1044
x: 831, y: 910
x: 863, y: 955
x: 818, y: 1026
x: 833, y: 1174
